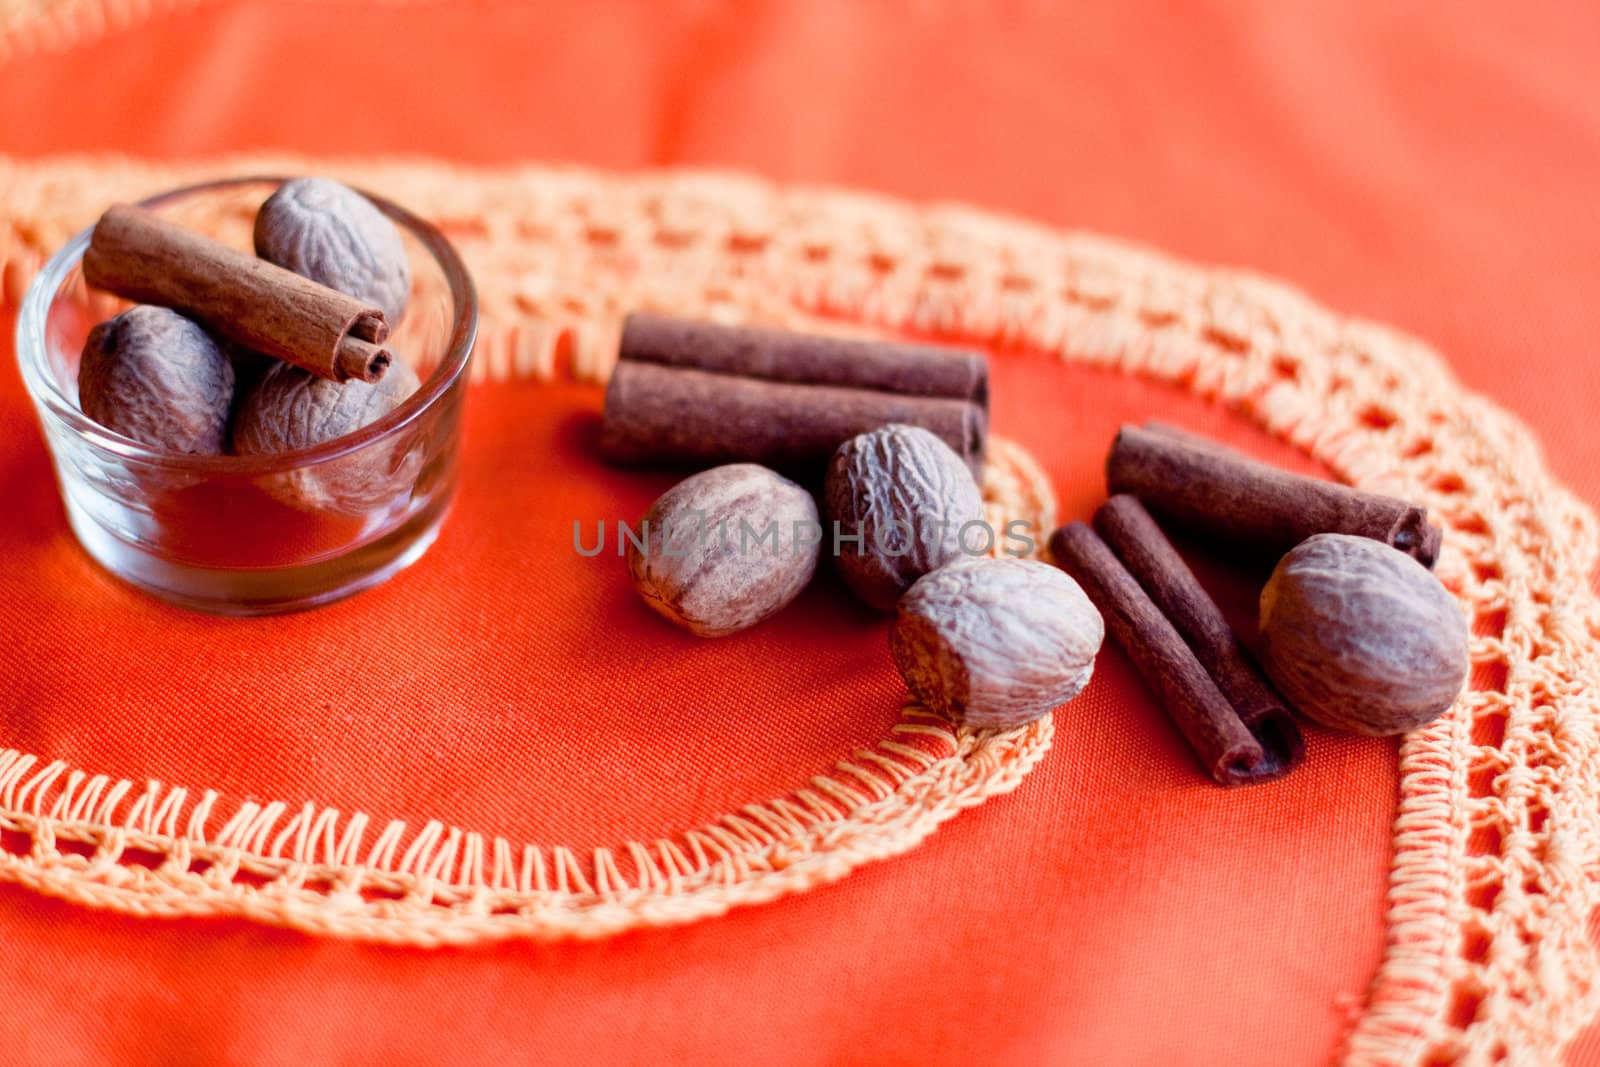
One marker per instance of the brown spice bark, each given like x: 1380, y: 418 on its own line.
x: 1153, y: 561
x: 1207, y: 487
x: 809, y: 359
x: 140, y: 256
x: 1164, y: 661
x: 656, y: 413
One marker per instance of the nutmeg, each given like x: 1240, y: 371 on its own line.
x: 996, y: 642
x: 159, y: 378
x: 726, y: 548
x: 290, y: 409
x: 1361, y: 637
x: 330, y: 233
x: 904, y: 497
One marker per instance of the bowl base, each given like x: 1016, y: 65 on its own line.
x: 259, y: 590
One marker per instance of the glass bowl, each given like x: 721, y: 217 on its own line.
x: 252, y: 535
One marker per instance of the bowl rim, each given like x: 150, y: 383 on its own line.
x: 48, y: 396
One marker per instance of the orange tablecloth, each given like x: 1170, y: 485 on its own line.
x: 1435, y: 175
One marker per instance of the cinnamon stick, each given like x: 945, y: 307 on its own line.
x: 140, y: 256
x: 659, y: 413
x: 1166, y: 663
x: 1153, y: 561
x: 810, y: 359
x: 1213, y: 490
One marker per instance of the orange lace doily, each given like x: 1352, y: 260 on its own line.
x: 1496, y: 863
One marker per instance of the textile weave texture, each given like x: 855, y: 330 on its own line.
x: 1495, y: 866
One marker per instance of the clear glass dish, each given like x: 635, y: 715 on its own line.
x: 254, y: 535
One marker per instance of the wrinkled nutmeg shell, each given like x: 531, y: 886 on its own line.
x: 996, y: 642
x: 706, y: 564
x: 1361, y: 637
x: 159, y: 378
x: 907, y: 496
x: 330, y: 233
x: 290, y: 408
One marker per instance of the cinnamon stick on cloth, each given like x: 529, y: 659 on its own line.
x: 804, y: 358
x: 1168, y: 666
x: 700, y: 393
x: 140, y: 256
x: 1153, y: 561
x: 1209, y: 488
x: 656, y: 413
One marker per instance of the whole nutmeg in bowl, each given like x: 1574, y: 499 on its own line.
x: 902, y: 498
x: 1361, y: 637
x: 726, y: 548
x: 291, y: 409
x: 326, y: 231
x: 996, y: 642
x: 157, y: 377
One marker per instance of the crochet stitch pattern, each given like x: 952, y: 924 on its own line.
x: 1496, y: 864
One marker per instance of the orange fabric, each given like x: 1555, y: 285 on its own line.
x: 1117, y: 908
